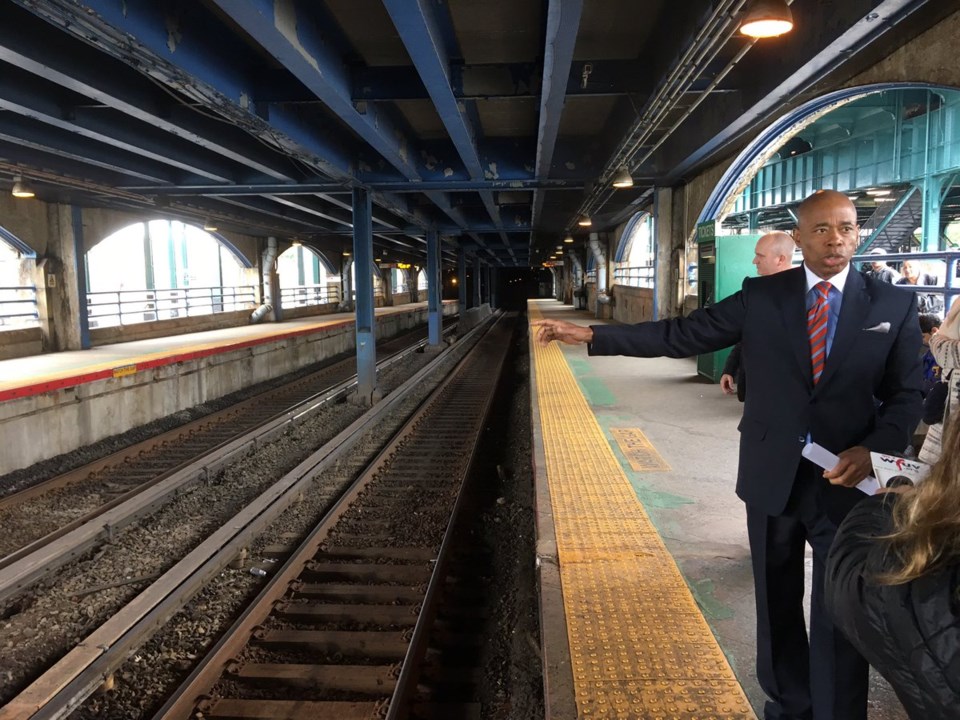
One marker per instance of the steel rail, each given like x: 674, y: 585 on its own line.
x: 81, y: 671
x: 27, y: 565
x: 184, y: 702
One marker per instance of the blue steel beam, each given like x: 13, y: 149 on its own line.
x: 18, y: 95
x: 563, y: 22
x: 363, y: 262
x: 65, y: 145
x: 286, y: 32
x: 138, y: 35
x: 421, y: 35
x: 334, y: 189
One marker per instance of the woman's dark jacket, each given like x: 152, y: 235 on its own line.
x: 910, y: 633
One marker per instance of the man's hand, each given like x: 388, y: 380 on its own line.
x: 854, y: 466
x: 563, y: 331
x: 728, y: 385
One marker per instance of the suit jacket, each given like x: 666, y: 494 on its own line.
x: 734, y: 367
x: 868, y: 394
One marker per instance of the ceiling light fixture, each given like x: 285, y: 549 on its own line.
x: 568, y: 239
x: 209, y: 225
x: 878, y: 193
x: 622, y: 178
x: 296, y: 242
x: 584, y: 221
x: 767, y: 18
x: 21, y: 189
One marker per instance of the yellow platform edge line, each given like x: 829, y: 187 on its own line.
x: 632, y: 622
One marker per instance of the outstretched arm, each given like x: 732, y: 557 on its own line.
x: 563, y: 331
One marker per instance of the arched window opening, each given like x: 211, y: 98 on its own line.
x: 634, y: 261
x: 18, y: 294
x: 378, y: 298
x: 421, y: 280
x: 306, y: 278
x: 160, y: 270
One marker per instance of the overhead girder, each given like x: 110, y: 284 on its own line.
x: 19, y: 95
x: 24, y: 42
x: 563, y: 23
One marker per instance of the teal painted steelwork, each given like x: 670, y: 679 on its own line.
x: 878, y: 146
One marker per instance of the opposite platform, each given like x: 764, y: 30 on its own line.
x: 56, y: 403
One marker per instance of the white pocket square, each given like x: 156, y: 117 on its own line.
x: 883, y: 327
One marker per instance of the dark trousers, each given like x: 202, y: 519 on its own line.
x: 823, y: 678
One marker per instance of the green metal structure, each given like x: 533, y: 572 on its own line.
x: 723, y: 261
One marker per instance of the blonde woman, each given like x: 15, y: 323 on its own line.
x: 893, y: 586
x: 945, y: 346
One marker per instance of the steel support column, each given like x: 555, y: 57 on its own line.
x: 434, y: 319
x: 475, y: 295
x: 80, y: 260
x: 462, y: 279
x: 932, y: 198
x: 363, y: 262
x: 493, y: 288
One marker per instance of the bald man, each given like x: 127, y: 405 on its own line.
x: 772, y: 254
x: 833, y: 358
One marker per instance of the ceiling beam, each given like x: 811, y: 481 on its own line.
x: 563, y: 23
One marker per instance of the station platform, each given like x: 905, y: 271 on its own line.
x: 56, y: 402
x: 646, y: 588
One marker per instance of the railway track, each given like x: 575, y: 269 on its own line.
x: 38, y: 517
x: 342, y: 629
x: 79, y: 673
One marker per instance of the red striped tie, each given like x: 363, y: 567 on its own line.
x: 817, y: 329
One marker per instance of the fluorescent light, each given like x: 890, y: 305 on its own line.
x: 767, y: 18
x: 568, y: 238
x: 21, y: 189
x: 584, y: 221
x: 622, y: 178
x: 878, y: 192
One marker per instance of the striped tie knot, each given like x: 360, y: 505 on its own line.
x: 817, y: 317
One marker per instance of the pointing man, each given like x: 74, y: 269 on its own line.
x: 832, y: 358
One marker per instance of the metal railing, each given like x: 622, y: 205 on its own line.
x: 18, y: 307
x: 640, y: 276
x: 126, y: 307
x: 305, y: 295
x: 946, y: 290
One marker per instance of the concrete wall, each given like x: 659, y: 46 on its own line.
x: 632, y: 304
x: 42, y: 426
x: 164, y: 328
x: 20, y: 343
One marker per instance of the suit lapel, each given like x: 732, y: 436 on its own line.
x: 853, y: 311
x: 794, y: 314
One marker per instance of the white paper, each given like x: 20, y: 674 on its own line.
x: 819, y: 455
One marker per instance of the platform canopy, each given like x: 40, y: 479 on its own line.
x: 497, y: 123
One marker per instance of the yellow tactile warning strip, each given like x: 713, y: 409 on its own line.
x: 640, y: 647
x: 639, y: 451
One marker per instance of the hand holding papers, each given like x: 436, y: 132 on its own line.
x: 819, y: 455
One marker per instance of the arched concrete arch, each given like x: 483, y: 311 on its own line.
x: 753, y: 157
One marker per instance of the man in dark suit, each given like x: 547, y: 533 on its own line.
x: 832, y: 358
x: 772, y: 254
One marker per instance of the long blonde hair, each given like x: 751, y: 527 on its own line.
x: 927, y: 520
